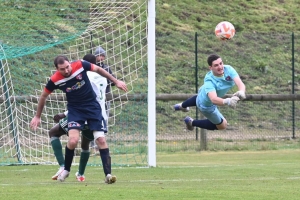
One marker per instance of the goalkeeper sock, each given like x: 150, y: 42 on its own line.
x: 205, y: 123
x: 84, y: 157
x: 69, y: 158
x: 189, y: 102
x: 57, y: 148
x: 106, y: 160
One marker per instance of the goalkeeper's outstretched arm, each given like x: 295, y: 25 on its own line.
x: 222, y: 102
x: 241, y: 93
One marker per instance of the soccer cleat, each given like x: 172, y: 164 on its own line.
x: 63, y: 176
x: 178, y: 107
x: 110, y: 179
x: 79, y: 177
x: 188, y: 121
x: 60, y: 170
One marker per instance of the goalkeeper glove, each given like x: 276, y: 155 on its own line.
x: 240, y: 94
x: 231, y: 102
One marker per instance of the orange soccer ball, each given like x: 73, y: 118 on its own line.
x: 225, y: 30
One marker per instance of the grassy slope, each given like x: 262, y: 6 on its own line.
x: 180, y: 19
x: 260, y: 51
x: 251, y: 15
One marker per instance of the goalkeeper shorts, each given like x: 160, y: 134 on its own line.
x: 212, y: 113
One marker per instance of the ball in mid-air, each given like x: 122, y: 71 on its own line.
x: 225, y: 30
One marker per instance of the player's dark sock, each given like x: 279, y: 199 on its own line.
x: 69, y: 158
x: 57, y: 148
x: 204, y: 123
x: 106, y: 160
x: 189, y: 102
x: 84, y: 157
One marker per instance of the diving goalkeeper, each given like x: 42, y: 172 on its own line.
x: 217, y: 82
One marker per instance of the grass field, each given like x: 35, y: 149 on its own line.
x: 206, y: 175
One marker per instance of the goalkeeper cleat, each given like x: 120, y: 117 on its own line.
x: 62, y: 177
x: 178, y: 107
x: 110, y: 179
x: 189, y: 123
x: 79, y: 177
x: 60, y: 170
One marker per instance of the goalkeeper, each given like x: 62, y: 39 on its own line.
x: 99, y: 85
x: 217, y: 82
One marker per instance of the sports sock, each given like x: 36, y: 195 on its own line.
x: 57, y: 148
x: 106, y: 160
x: 189, y: 102
x: 84, y: 157
x: 204, y: 123
x: 69, y: 158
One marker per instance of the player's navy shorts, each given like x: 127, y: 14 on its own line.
x: 86, y: 132
x: 90, y: 113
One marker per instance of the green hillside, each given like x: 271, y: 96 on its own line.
x: 261, y: 52
x: 262, y: 44
x: 247, y: 15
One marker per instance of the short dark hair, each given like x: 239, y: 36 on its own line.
x: 90, y: 58
x: 60, y: 60
x: 211, y: 58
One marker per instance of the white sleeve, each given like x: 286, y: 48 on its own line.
x: 99, y: 84
x: 66, y: 113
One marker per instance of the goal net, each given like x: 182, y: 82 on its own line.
x: 32, y: 34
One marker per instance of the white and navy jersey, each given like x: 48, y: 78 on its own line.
x: 77, y: 86
x: 99, y: 84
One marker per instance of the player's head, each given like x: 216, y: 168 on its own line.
x: 211, y: 58
x: 90, y: 58
x: 215, y: 64
x: 62, y: 65
x: 100, y: 54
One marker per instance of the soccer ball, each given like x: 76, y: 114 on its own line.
x: 225, y: 30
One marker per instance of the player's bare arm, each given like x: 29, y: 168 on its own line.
x: 37, y: 118
x: 241, y: 88
x: 58, y: 117
x: 221, y: 102
x: 120, y: 84
x: 215, y: 99
x: 239, y: 83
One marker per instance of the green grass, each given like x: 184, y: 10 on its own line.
x: 206, y: 175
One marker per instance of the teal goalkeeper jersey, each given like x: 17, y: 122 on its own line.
x: 219, y: 84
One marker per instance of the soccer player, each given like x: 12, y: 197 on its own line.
x: 217, y: 82
x: 82, y: 106
x: 99, y: 84
x: 100, y: 54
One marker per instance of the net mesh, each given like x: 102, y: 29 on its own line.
x: 41, y: 30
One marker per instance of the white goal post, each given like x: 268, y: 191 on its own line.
x: 151, y: 86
